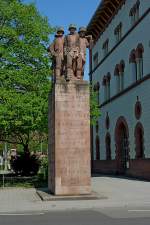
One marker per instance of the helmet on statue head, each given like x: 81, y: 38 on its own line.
x: 72, y: 26
x: 60, y: 29
x: 82, y: 29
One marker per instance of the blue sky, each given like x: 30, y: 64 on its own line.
x: 64, y: 12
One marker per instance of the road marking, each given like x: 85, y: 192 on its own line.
x: 139, y: 210
x: 21, y: 214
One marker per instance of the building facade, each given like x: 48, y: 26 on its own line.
x: 120, y: 74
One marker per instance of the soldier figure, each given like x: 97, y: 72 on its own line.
x: 56, y: 50
x: 71, y: 51
x: 84, y: 42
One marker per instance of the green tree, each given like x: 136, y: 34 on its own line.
x: 94, y: 106
x: 24, y: 72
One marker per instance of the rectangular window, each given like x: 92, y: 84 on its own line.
x: 95, y: 59
x: 105, y: 47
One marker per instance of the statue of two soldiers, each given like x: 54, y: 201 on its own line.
x: 69, y: 53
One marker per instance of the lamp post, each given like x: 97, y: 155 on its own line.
x: 5, y: 156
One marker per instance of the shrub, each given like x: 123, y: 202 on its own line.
x: 43, y: 171
x: 25, y: 164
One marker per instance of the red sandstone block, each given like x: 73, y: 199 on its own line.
x: 70, y: 128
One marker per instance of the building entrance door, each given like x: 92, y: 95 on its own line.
x: 122, y: 145
x: 124, y: 156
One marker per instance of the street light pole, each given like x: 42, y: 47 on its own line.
x: 5, y: 155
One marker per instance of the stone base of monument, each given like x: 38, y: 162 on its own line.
x: 69, y: 139
x: 45, y: 195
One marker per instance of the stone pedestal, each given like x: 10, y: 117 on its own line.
x: 69, y: 139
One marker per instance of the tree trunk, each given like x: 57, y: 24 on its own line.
x: 26, y: 149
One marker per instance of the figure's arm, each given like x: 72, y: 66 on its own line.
x: 65, y: 46
x: 90, y: 41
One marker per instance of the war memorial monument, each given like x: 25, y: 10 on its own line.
x: 69, y: 115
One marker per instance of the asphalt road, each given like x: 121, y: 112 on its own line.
x: 106, y: 217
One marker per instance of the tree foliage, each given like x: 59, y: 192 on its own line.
x: 24, y: 72
x: 94, y: 106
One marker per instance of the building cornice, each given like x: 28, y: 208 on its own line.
x: 102, y: 17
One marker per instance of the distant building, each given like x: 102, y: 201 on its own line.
x: 120, y: 73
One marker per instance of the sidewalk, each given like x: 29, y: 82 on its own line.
x: 118, y: 191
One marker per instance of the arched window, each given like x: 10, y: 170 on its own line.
x: 95, y: 60
x: 105, y: 87
x: 105, y: 47
x: 121, y: 74
x: 106, y: 84
x: 139, y: 60
x: 107, y: 121
x: 97, y: 90
x: 132, y: 62
x: 108, y: 146
x: 97, y: 144
x: 139, y: 141
x: 138, y: 109
x: 116, y: 73
x: 134, y: 12
x: 118, y: 32
x: 122, y: 144
x: 97, y: 127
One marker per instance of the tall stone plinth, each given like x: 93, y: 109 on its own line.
x: 69, y: 139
